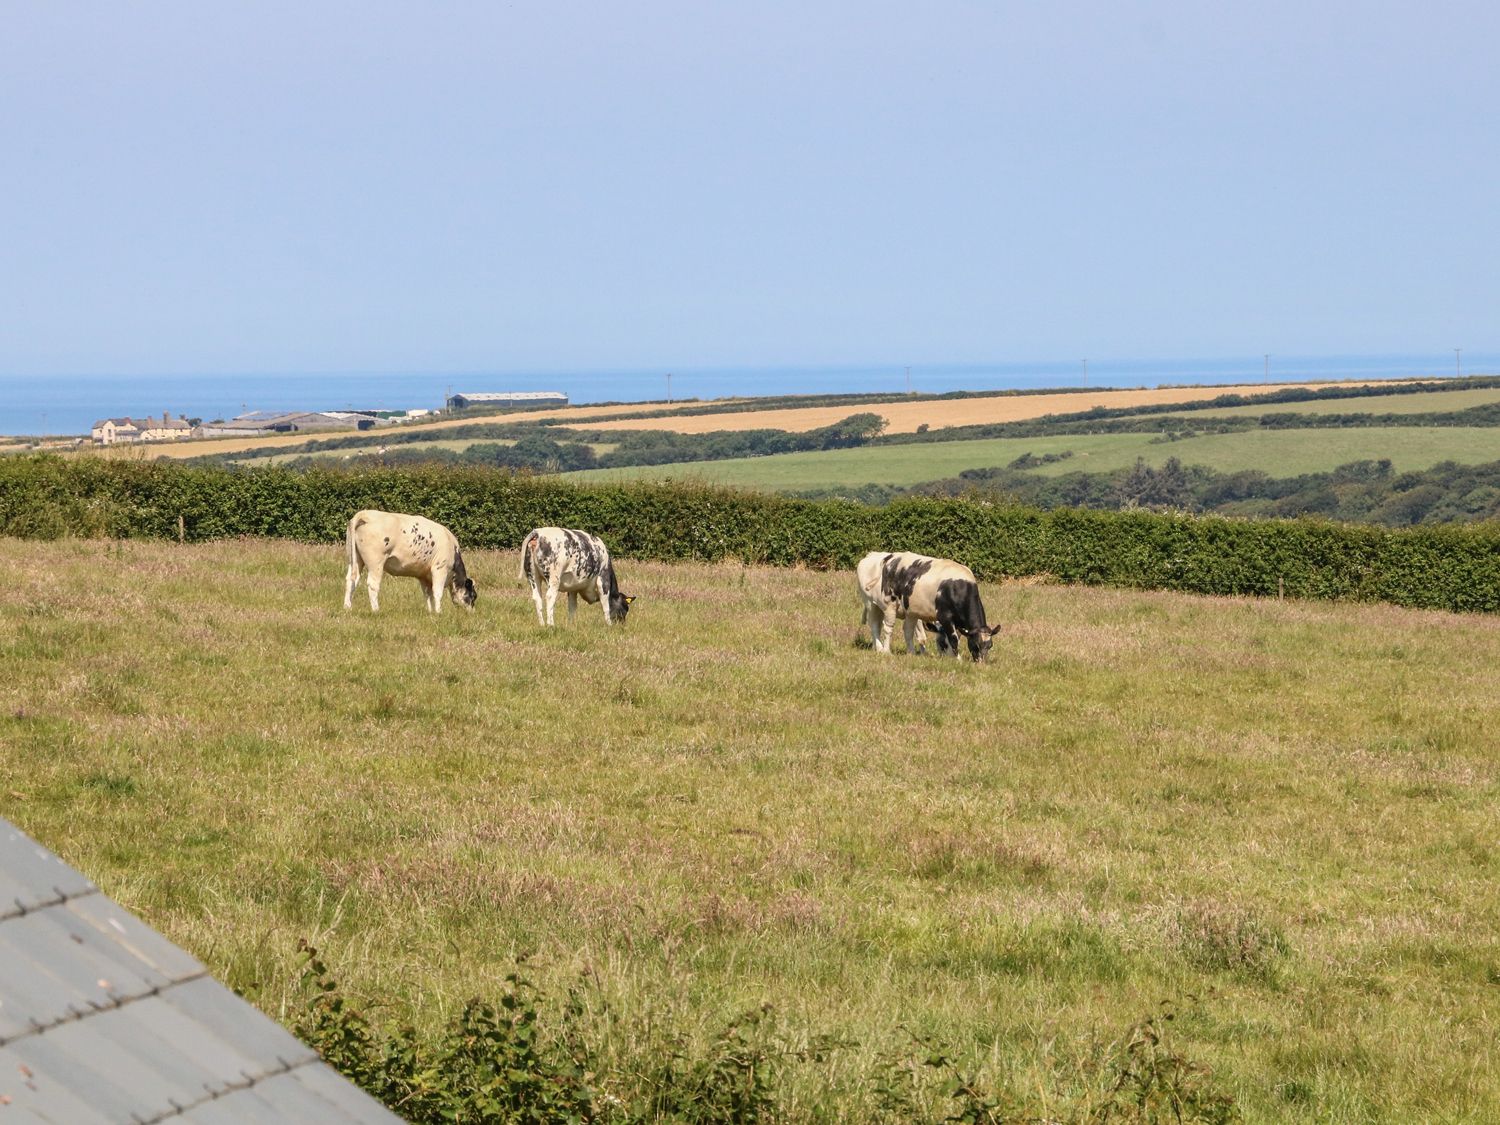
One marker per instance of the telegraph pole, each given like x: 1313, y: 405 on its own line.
x: 1085, y: 373
x: 1458, y: 362
x: 908, y: 380
x: 669, y: 388
x: 1268, y: 367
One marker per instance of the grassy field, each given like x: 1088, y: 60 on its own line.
x: 906, y: 417
x: 1278, y: 816
x: 1429, y: 403
x: 1278, y: 452
x: 903, y: 416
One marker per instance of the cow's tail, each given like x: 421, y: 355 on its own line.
x: 528, y: 553
x: 354, y: 525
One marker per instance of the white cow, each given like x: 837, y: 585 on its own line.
x: 918, y: 589
x: 571, y: 562
x: 391, y: 543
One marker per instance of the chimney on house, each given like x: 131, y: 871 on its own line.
x: 166, y: 419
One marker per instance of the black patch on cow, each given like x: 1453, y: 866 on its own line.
x: 585, y: 552
x: 463, y: 586
x: 959, y: 610
x: 897, y: 582
x: 947, y: 639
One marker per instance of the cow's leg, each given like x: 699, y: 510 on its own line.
x: 373, y: 575
x: 536, y: 594
x: 603, y: 598
x: 553, y: 585
x: 887, y: 627
x: 872, y: 622
x: 351, y: 580
x: 435, y: 587
x: 909, y: 628
x: 572, y: 605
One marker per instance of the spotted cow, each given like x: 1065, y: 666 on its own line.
x: 920, y: 589
x: 414, y: 546
x: 571, y: 562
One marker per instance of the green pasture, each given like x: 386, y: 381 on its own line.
x: 1277, y: 452
x: 1428, y: 402
x: 1278, y: 818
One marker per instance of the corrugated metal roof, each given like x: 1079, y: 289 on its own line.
x: 103, y: 1020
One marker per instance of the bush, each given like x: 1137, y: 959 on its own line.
x: 501, y: 1063
x: 1452, y: 567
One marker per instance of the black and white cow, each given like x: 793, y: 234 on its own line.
x: 571, y: 562
x: 918, y: 589
x: 392, y: 543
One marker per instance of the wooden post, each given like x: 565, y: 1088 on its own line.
x: 1280, y: 588
x: 181, y: 529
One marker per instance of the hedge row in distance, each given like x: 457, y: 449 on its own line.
x: 1448, y: 567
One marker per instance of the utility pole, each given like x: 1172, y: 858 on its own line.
x: 908, y: 380
x: 1268, y: 367
x: 1458, y: 362
x: 1085, y: 373
x: 669, y: 388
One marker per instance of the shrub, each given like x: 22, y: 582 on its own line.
x: 1452, y: 567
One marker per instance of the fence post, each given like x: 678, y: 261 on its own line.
x: 181, y: 529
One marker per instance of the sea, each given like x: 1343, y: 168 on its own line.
x: 70, y: 404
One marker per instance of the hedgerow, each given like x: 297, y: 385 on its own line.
x: 1448, y: 567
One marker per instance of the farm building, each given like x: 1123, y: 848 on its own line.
x: 102, y: 1019
x: 108, y: 431
x: 283, y: 422
x: 507, y: 398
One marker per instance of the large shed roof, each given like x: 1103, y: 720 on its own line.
x: 104, y: 1020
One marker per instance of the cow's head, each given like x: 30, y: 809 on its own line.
x: 619, y: 606
x: 460, y: 582
x: 464, y: 592
x: 980, y: 642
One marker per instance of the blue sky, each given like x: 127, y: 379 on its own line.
x: 202, y: 187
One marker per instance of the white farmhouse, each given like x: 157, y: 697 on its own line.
x: 166, y: 428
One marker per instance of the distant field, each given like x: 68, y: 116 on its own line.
x: 1279, y: 817
x: 1431, y: 402
x: 906, y: 417
x: 454, y: 445
x: 211, y: 446
x: 1278, y: 452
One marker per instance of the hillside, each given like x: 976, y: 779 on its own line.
x: 1278, y: 816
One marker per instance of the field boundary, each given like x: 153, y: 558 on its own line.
x: 1454, y: 568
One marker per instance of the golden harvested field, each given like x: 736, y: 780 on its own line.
x: 905, y: 417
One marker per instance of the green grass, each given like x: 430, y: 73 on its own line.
x: 1430, y: 402
x: 1278, y: 452
x: 1279, y: 815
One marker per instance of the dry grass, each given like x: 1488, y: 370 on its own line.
x: 1284, y: 812
x: 905, y: 417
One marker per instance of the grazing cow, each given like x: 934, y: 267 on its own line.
x: 918, y: 589
x: 571, y: 562
x: 391, y: 543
